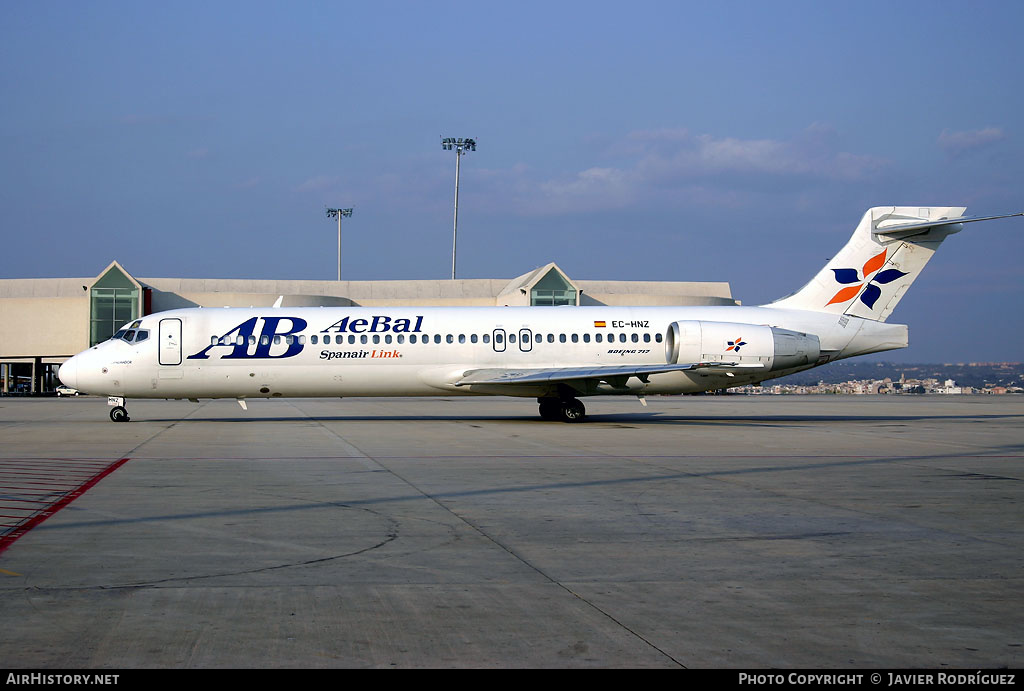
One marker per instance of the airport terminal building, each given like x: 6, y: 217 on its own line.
x: 44, y: 321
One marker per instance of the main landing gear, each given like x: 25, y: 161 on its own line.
x: 119, y: 414
x: 566, y: 410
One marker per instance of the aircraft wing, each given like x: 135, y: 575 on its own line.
x: 596, y: 373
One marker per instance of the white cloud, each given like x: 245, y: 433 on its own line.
x: 675, y: 164
x: 318, y: 183
x: 960, y: 143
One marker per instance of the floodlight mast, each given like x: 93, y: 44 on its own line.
x: 331, y: 213
x: 460, y: 146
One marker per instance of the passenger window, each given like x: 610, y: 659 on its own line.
x: 586, y: 338
x: 387, y: 338
x: 401, y: 338
x: 462, y: 338
x: 449, y: 339
x: 264, y: 340
x: 252, y: 340
x: 313, y: 340
x: 647, y: 338
x: 412, y: 338
x: 437, y: 338
x: 551, y: 338
x: 487, y: 338
x: 214, y: 340
x: 622, y: 338
x: 561, y: 338
x: 599, y: 337
x: 511, y: 338
x: 351, y: 339
x: 575, y: 338
x: 499, y: 338
x: 363, y: 339
x: 473, y: 338
x: 657, y: 337
x: 635, y: 338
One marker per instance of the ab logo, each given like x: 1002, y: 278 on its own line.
x: 243, y: 337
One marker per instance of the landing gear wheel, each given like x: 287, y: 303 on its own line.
x: 550, y: 408
x: 119, y: 414
x: 573, y: 411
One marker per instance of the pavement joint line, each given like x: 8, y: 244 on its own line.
x: 477, y: 529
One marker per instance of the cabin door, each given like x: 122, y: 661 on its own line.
x: 170, y: 342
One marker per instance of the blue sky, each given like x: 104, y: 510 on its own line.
x: 731, y: 141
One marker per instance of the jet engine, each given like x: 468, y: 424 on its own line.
x: 774, y: 348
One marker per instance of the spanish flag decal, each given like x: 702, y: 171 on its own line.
x: 600, y: 325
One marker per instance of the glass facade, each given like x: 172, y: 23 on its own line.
x: 553, y: 289
x: 113, y: 302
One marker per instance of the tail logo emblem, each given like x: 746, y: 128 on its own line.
x: 872, y: 292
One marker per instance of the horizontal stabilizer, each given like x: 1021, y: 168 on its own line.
x: 902, y: 230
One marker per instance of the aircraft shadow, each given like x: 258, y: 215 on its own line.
x: 654, y: 417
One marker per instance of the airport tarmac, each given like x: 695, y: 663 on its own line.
x: 729, y: 531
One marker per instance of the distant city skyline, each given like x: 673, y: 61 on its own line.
x: 735, y: 142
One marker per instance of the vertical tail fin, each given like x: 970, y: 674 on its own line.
x: 869, y: 276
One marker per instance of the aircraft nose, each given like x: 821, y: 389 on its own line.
x: 68, y: 373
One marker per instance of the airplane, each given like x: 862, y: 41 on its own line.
x: 554, y: 354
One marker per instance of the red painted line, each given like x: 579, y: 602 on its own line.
x: 37, y: 494
x: 24, y: 501
x: 24, y: 474
x: 48, y: 466
x: 40, y: 484
x: 9, y: 539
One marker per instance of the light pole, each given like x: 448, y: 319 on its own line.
x: 460, y: 146
x: 339, y: 213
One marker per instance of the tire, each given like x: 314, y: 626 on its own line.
x: 119, y: 414
x: 573, y: 411
x: 550, y: 409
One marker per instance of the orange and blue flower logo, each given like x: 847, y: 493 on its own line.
x: 735, y: 345
x: 869, y: 275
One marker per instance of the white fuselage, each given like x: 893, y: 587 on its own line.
x: 410, y: 351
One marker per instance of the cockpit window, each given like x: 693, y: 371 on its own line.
x: 131, y: 335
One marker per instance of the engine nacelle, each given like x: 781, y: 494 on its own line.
x: 774, y: 348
